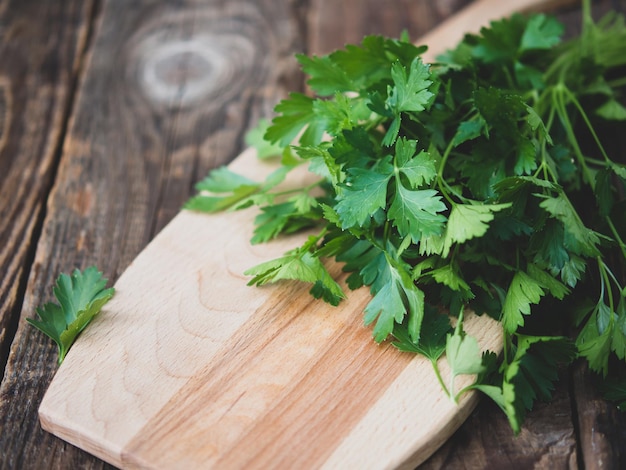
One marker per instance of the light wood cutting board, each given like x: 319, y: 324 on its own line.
x: 188, y: 367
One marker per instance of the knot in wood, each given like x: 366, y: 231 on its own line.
x: 186, y: 71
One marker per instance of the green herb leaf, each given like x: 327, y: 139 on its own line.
x: 532, y: 373
x: 302, y: 266
x: 467, y: 221
x: 463, y: 354
x: 81, y: 296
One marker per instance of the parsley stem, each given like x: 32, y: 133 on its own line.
x: 441, y: 182
x: 559, y: 102
x: 606, y: 283
x: 615, y: 233
x: 583, y: 114
x: 440, y: 378
x: 299, y: 190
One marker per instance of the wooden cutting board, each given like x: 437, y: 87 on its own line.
x: 188, y: 367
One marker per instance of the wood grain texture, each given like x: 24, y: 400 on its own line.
x: 42, y: 45
x: 130, y: 160
x: 601, y: 426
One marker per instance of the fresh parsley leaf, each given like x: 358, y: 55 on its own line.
x: 541, y: 32
x: 432, y: 342
x: 463, y: 354
x: 364, y: 192
x: 222, y: 189
x: 467, y: 221
x: 532, y: 373
x: 327, y: 77
x: 296, y: 114
x: 298, y: 265
x: 582, y: 241
x: 395, y: 296
x: 419, y: 168
x: 469, y: 130
x: 411, y: 91
x: 417, y: 213
x: 81, y: 296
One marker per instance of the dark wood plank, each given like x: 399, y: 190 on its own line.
x: 41, y: 46
x: 601, y: 425
x: 547, y: 440
x: 169, y: 90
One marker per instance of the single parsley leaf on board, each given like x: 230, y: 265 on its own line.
x: 81, y: 296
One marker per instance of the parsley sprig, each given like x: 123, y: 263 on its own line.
x: 482, y: 181
x: 81, y: 296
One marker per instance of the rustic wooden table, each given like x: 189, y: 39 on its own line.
x: 110, y: 110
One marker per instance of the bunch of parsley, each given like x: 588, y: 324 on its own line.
x: 482, y: 181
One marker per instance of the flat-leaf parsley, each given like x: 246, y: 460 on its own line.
x: 482, y: 181
x: 81, y: 296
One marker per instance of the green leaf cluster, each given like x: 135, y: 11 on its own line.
x: 81, y: 296
x: 482, y: 181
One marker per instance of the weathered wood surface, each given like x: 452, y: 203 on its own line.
x: 142, y: 130
x: 42, y: 48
